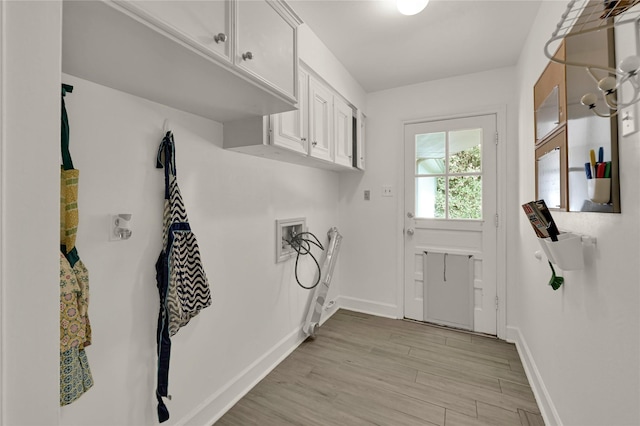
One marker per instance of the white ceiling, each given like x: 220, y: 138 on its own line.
x: 383, y: 49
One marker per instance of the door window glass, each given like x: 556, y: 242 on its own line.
x: 448, y: 174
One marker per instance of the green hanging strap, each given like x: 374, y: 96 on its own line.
x: 67, y: 164
x: 555, y: 282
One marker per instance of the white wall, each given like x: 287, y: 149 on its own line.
x: 233, y: 201
x: 582, y: 341
x: 372, y: 270
x: 316, y: 55
x: 30, y: 208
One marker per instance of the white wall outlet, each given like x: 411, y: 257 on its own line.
x: 329, y: 304
x: 387, y: 191
x: 285, y: 230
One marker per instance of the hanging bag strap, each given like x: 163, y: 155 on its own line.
x: 67, y: 164
x: 167, y: 155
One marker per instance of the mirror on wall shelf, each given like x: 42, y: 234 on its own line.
x: 585, y: 130
x: 548, y: 114
x: 567, y: 131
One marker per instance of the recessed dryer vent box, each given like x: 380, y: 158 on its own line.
x: 285, y: 230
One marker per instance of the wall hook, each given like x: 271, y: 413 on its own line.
x: 166, y: 127
x: 120, y: 227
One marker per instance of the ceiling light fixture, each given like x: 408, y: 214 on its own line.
x: 411, y: 7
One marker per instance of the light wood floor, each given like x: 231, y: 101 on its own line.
x: 366, y: 370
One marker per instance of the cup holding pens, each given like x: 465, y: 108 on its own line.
x: 599, y: 190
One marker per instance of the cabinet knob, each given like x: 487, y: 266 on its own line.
x: 221, y: 37
x: 303, y: 139
x: 247, y: 56
x: 350, y: 158
x: 314, y: 143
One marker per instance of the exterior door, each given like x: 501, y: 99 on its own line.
x: 451, y: 207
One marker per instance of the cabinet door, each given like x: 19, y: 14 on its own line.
x: 361, y: 141
x: 550, y: 98
x: 205, y: 25
x: 266, y: 45
x: 290, y: 129
x: 320, y: 120
x: 343, y: 132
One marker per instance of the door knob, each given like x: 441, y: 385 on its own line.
x: 410, y: 215
x: 410, y: 231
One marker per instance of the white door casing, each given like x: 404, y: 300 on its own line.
x: 2, y: 233
x: 476, y: 237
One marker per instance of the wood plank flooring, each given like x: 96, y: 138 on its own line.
x: 367, y: 370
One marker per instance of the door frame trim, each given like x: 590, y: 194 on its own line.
x: 500, y: 112
x: 3, y: 139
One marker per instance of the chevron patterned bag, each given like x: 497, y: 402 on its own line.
x: 182, y: 283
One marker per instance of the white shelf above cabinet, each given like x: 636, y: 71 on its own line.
x: 108, y: 44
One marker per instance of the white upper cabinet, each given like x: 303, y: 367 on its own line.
x: 188, y: 54
x: 343, y: 132
x: 320, y: 120
x: 206, y: 24
x: 290, y: 129
x: 319, y: 134
x: 266, y: 44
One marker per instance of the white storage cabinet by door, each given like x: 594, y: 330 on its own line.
x: 320, y: 120
x: 290, y: 129
x: 204, y: 24
x: 343, y: 132
x: 266, y: 45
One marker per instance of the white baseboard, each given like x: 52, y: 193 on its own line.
x: 368, y: 307
x: 214, y: 407
x: 547, y: 408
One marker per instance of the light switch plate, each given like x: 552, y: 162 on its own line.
x: 628, y: 118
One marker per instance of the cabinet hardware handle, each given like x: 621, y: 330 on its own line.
x: 303, y: 139
x: 247, y: 56
x: 349, y: 157
x: 314, y: 143
x: 221, y: 37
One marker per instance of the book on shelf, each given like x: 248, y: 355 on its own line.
x: 541, y: 220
